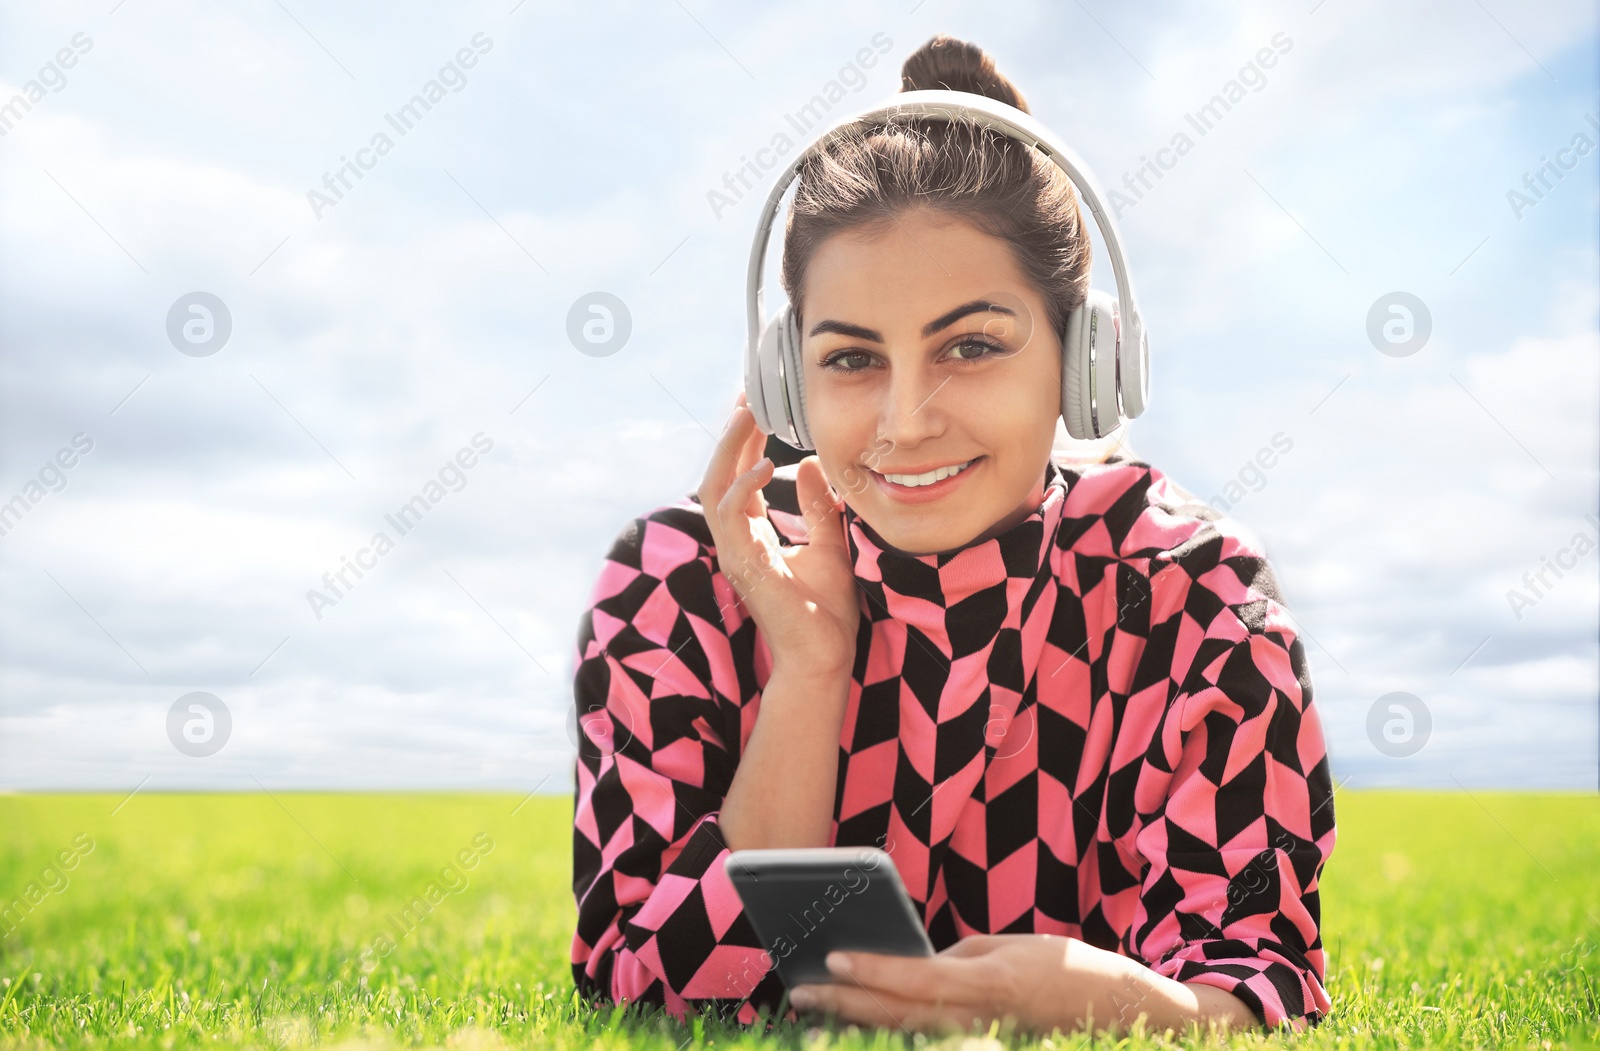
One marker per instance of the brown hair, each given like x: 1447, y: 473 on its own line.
x: 880, y: 168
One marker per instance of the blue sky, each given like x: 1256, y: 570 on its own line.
x: 374, y: 338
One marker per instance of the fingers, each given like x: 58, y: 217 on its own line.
x: 737, y: 449
x: 918, y: 977
x: 755, y: 443
x: 818, y: 503
x: 726, y: 456
x: 744, y: 495
x: 973, y: 945
x: 888, y: 1010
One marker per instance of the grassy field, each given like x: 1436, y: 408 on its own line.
x: 269, y: 922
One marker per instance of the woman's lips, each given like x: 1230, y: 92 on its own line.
x: 922, y: 494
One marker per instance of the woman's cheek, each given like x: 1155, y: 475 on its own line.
x: 852, y: 480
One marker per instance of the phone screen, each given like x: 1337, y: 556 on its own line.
x: 806, y: 903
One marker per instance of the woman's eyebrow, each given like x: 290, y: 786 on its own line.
x: 977, y: 306
x: 844, y: 328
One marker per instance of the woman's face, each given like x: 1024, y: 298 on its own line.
x: 925, y: 347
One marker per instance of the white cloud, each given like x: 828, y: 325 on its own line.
x: 408, y: 319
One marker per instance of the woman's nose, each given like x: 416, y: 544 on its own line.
x: 911, y: 410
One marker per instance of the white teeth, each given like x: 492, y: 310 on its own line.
x: 936, y: 475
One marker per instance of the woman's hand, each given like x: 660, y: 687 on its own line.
x: 1038, y: 981
x: 802, y: 597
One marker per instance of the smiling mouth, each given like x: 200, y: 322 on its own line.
x: 938, y: 474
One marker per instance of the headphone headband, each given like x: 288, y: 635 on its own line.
x: 997, y: 116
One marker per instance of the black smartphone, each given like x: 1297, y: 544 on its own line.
x: 804, y: 903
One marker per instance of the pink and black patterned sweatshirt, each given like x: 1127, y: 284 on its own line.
x: 1097, y: 724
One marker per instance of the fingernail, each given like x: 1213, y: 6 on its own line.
x: 802, y: 997
x: 838, y: 962
x: 763, y: 463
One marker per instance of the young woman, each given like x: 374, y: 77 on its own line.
x: 1066, y: 698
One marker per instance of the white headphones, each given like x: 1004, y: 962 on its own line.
x: 1103, y: 378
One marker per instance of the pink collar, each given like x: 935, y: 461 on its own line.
x: 924, y: 590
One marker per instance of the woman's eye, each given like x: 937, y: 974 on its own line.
x: 861, y: 360
x: 833, y: 361
x: 975, y: 345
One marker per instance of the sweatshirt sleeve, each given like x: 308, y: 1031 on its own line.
x: 659, y: 700
x: 1237, y: 799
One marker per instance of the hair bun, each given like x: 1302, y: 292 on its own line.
x: 947, y: 63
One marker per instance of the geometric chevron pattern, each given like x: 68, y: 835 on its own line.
x: 1098, y: 724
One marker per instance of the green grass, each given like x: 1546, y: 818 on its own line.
x: 241, y: 920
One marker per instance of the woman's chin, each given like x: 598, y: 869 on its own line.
x: 929, y: 536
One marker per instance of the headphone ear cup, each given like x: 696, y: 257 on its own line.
x: 1075, y: 375
x: 1089, y: 368
x: 794, y: 385
x: 1133, y: 374
x: 761, y: 378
